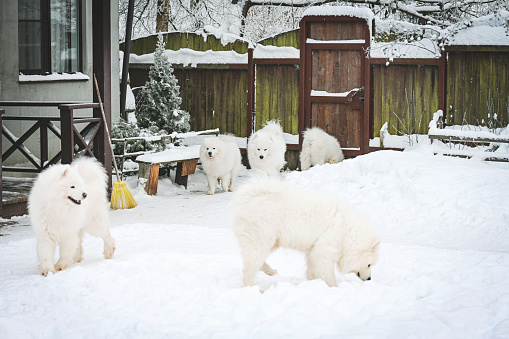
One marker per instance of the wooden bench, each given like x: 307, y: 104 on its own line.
x: 185, y: 157
x: 168, y: 137
x: 437, y: 132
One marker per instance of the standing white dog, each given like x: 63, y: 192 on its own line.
x: 66, y: 201
x: 269, y: 214
x: 266, y: 149
x: 220, y: 158
x: 319, y: 148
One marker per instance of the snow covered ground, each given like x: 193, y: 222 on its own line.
x: 443, y: 270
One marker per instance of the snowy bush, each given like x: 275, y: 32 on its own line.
x: 158, y: 103
x: 122, y: 129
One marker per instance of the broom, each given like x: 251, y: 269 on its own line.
x: 120, y: 195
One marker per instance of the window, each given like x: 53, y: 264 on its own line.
x: 49, y: 36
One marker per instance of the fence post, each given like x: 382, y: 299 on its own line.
x: 250, y: 91
x: 442, y: 83
x: 1, y: 162
x: 67, y: 129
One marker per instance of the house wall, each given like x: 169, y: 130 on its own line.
x: 11, y: 89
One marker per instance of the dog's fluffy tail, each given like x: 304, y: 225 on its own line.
x: 91, y: 170
x: 273, y: 126
x: 259, y: 185
x: 227, y: 138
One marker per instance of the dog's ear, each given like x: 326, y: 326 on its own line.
x: 375, y: 244
x: 65, y: 170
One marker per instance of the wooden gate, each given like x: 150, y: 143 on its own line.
x: 334, y: 76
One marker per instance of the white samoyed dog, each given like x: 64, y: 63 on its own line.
x: 268, y: 214
x: 266, y: 149
x: 66, y: 201
x: 221, y: 159
x: 319, y: 148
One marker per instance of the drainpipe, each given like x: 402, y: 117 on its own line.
x: 127, y: 51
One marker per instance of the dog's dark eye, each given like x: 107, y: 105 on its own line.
x: 72, y: 186
x: 265, y: 149
x: 369, y: 265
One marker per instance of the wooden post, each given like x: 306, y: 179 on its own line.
x: 2, y: 112
x: 153, y: 179
x: 184, y: 168
x: 67, y: 138
x: 250, y: 91
x: 366, y: 74
x: 442, y: 84
x: 44, y: 141
x: 101, y: 36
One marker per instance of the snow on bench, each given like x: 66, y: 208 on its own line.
x: 188, y: 139
x: 437, y: 132
x: 185, y: 157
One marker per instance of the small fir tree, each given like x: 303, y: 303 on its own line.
x: 158, y: 103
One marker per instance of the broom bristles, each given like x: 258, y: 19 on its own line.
x: 121, y: 197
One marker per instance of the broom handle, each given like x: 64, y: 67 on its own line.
x: 106, y: 126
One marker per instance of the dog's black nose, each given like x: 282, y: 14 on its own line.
x: 261, y: 156
x: 84, y: 195
x: 210, y: 154
x: 369, y: 278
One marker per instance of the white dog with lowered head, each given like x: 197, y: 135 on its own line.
x: 65, y: 202
x: 319, y: 148
x: 266, y: 149
x: 268, y: 214
x: 220, y: 158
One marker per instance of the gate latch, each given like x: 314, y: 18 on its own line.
x: 356, y: 91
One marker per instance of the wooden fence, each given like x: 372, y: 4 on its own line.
x: 470, y: 84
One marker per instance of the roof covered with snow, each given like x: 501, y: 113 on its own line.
x: 491, y: 30
x: 354, y: 12
x: 189, y: 57
x: 485, y: 31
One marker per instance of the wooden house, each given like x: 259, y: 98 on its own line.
x: 50, y: 52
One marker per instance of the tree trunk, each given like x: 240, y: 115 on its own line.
x: 163, y: 15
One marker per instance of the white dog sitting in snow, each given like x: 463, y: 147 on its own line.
x: 220, y: 158
x: 319, y: 148
x: 66, y: 201
x: 266, y: 149
x: 268, y: 214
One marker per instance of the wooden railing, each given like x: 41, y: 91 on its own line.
x: 2, y: 112
x: 73, y: 140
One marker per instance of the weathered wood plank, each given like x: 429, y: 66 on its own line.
x: 403, y: 95
x: 477, y: 87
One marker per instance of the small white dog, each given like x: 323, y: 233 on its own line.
x: 66, y: 201
x: 268, y: 214
x: 319, y: 148
x: 220, y: 158
x: 266, y: 149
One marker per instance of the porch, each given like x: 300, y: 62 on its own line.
x: 79, y: 135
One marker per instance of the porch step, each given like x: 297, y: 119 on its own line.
x: 15, y: 193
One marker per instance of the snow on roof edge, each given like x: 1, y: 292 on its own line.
x: 355, y: 12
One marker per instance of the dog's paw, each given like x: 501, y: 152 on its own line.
x: 210, y: 192
x: 61, y: 266
x: 45, y: 271
x: 108, y: 253
x: 268, y: 270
